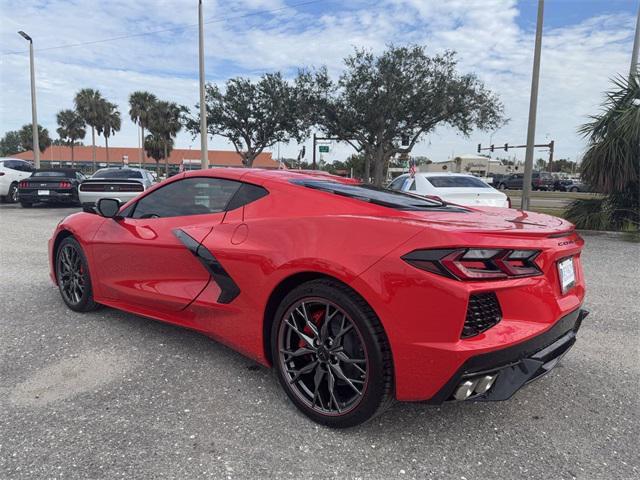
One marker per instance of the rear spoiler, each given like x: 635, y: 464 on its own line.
x: 113, y: 180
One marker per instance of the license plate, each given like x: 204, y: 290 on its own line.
x: 43, y: 192
x: 567, y: 274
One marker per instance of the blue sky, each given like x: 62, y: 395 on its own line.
x: 586, y: 43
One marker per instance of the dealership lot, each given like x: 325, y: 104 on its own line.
x: 112, y: 395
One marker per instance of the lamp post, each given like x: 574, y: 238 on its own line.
x: 533, y: 105
x: 34, y: 116
x: 204, y: 150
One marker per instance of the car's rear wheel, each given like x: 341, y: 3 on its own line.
x: 13, y: 194
x: 72, y: 273
x: 332, y: 355
x: 574, y: 189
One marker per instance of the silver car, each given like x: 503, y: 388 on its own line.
x: 122, y: 183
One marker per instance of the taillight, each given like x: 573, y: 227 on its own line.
x: 23, y: 184
x: 65, y: 185
x: 476, y: 263
x: 1, y: 174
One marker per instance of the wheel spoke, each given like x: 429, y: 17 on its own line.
x: 306, y: 369
x: 340, y: 374
x: 307, y: 320
x: 302, y: 335
x: 297, y: 353
x: 324, y: 331
x: 341, y: 356
x: 332, y: 391
x: 317, y: 381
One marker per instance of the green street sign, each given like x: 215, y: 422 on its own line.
x: 323, y: 148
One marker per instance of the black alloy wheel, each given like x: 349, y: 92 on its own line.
x: 13, y: 195
x: 72, y: 274
x: 331, y: 354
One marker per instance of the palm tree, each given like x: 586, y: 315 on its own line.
x: 164, y: 123
x: 89, y: 105
x: 71, y: 128
x: 157, y: 148
x: 610, y: 165
x: 109, y: 123
x: 140, y: 104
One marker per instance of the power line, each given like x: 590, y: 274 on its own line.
x: 174, y: 29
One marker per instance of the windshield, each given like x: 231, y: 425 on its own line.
x: 49, y: 174
x: 371, y: 194
x: 119, y: 173
x: 457, y: 182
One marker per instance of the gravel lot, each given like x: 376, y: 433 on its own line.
x: 112, y: 395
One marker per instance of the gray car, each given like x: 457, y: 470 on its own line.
x: 122, y: 183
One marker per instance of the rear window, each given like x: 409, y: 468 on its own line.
x: 457, y: 182
x: 49, y: 174
x: 117, y: 174
x: 371, y: 194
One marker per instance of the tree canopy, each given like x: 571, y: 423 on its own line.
x: 164, y: 121
x: 254, y: 115
x: 10, y: 143
x: 383, y: 105
x: 26, y: 138
x: 71, y: 128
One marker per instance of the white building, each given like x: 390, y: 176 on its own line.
x: 477, y: 165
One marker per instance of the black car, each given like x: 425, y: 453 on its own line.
x: 54, y: 185
x: 539, y: 181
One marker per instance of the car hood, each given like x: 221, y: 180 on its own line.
x: 494, y: 220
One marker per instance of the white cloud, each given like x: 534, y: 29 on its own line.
x: 577, y: 60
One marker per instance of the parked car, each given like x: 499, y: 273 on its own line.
x: 570, y: 185
x: 458, y: 188
x: 356, y: 295
x: 12, y: 170
x: 539, y: 181
x: 122, y: 183
x: 49, y: 185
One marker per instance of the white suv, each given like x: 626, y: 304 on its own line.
x: 12, y: 170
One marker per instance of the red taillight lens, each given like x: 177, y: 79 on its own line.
x: 23, y: 184
x: 1, y: 174
x: 65, y: 185
x: 476, y: 263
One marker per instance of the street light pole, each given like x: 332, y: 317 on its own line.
x: 34, y: 115
x: 636, y: 47
x: 533, y: 105
x: 204, y: 150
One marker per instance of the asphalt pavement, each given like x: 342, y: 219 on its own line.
x: 109, y: 395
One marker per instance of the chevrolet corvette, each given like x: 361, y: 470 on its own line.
x: 357, y: 296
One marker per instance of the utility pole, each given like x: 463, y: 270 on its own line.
x: 34, y: 115
x: 636, y: 47
x: 204, y: 150
x: 533, y: 105
x: 313, y: 164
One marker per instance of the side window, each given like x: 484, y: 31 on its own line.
x: 412, y: 188
x: 397, y: 183
x: 12, y: 164
x: 191, y: 196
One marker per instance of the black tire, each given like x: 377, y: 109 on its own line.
x: 12, y: 194
x: 72, y: 274
x: 573, y: 189
x: 26, y: 204
x: 367, y: 338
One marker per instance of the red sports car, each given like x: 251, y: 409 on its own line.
x: 356, y: 295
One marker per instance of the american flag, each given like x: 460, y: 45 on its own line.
x: 412, y: 167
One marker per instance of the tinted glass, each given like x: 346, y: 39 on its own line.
x: 247, y: 193
x: 49, y: 174
x: 397, y: 183
x: 371, y: 194
x: 457, y: 182
x: 119, y: 173
x: 191, y: 196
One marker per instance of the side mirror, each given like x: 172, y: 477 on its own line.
x: 108, y: 207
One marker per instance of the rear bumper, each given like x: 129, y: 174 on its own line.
x: 517, y: 365
x: 66, y: 196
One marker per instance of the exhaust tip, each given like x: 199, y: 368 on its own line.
x: 465, y: 389
x: 484, y: 384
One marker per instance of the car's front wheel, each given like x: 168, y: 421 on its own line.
x: 332, y: 355
x: 72, y: 274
